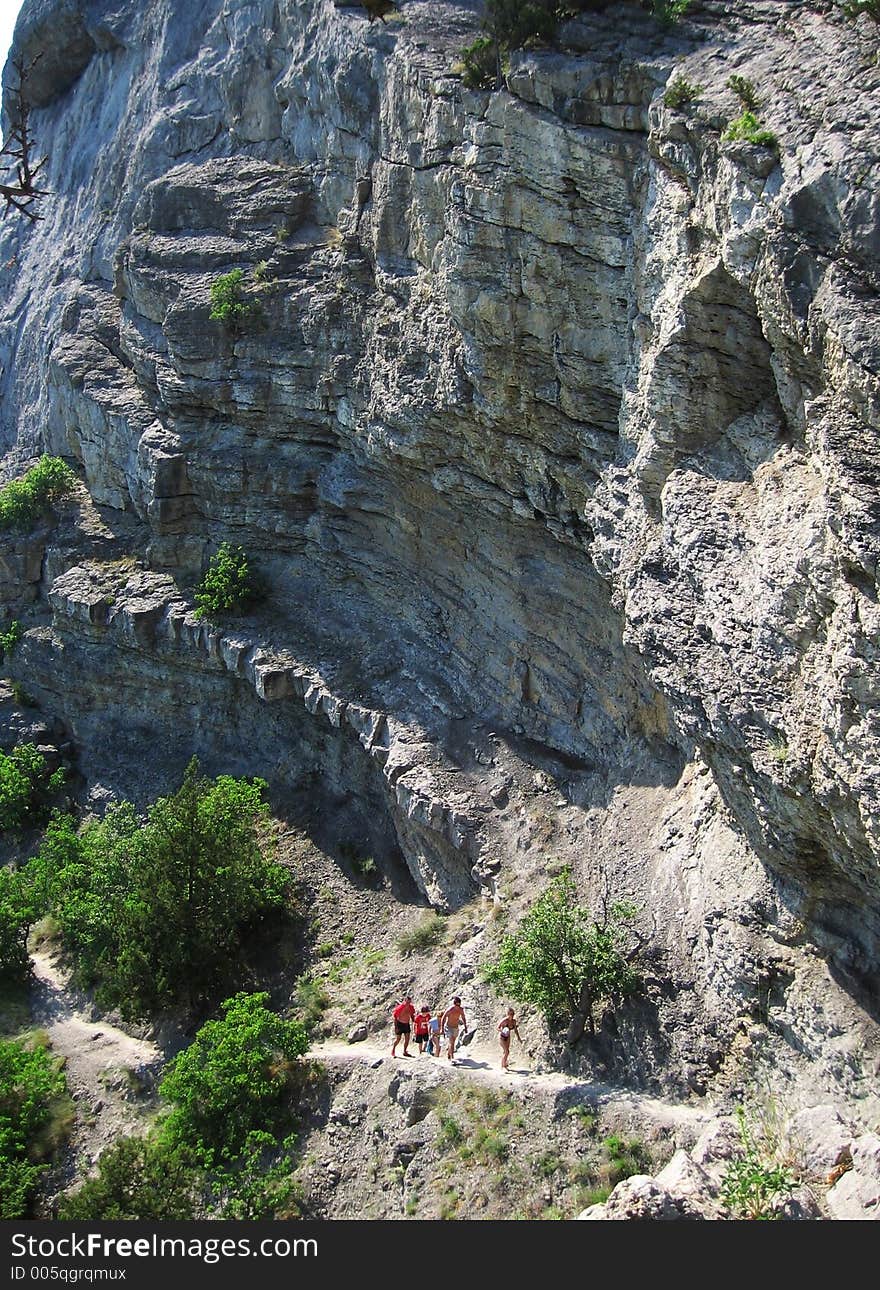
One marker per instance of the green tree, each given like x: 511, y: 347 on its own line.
x: 235, y: 1078
x: 228, y: 303
x: 9, y: 639
x: 19, y: 908
x: 25, y: 787
x: 228, y: 585
x: 23, y: 501
x: 680, y: 92
x: 31, y: 1080
x: 155, y: 913
x: 507, y: 25
x: 565, y: 961
x: 259, y: 1183
x: 140, y: 1178
x: 668, y: 12
x: 748, y: 129
x: 156, y: 1181
x: 514, y: 22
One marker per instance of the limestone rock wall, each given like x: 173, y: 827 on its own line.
x: 554, y: 416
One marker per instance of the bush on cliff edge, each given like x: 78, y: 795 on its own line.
x: 155, y: 913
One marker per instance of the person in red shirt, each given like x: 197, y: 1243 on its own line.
x: 403, y: 1017
x: 423, y: 1016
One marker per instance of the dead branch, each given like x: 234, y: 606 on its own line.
x: 18, y: 145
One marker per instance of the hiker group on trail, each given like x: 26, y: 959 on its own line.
x: 450, y: 1023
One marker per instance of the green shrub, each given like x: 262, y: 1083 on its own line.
x: 745, y: 91
x: 748, y: 129
x: 481, y: 64
x: 9, y: 639
x: 237, y: 1076
x: 25, y: 787
x: 155, y: 913
x: 23, y: 501
x: 140, y: 1178
x: 489, y: 1146
x: 228, y: 586
x: 680, y: 92
x: 668, y: 12
x: 853, y: 8
x: 586, y: 1117
x: 754, y: 1182
x: 22, y: 697
x: 366, y: 867
x: 424, y: 936
x: 548, y: 1164
x: 258, y: 1183
x: 31, y: 1083
x: 19, y: 910
x: 156, y: 1181
x: 563, y: 960
x: 623, y: 1158
x: 228, y: 303
x: 451, y: 1133
x: 311, y: 1002
x: 514, y: 22
x: 507, y: 25
x: 593, y: 1196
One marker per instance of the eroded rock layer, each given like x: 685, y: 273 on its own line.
x: 552, y: 427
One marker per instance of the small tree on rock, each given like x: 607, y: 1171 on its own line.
x: 229, y: 585
x: 566, y: 961
x: 229, y: 304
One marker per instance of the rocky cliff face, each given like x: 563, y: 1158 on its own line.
x: 554, y: 431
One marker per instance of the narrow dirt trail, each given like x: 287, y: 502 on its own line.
x: 106, y: 1067
x: 479, y: 1064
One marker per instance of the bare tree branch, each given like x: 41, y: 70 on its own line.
x: 18, y: 145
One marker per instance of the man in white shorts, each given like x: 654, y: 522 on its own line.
x: 452, y: 1022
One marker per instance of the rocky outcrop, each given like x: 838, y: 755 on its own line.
x: 554, y: 443
x: 829, y: 1170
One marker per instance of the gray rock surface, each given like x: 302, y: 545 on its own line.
x: 824, y: 1140
x: 856, y: 1195
x: 558, y: 454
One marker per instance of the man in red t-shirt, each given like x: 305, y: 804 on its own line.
x: 403, y: 1018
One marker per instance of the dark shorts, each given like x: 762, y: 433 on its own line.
x: 421, y: 1037
x: 401, y: 1028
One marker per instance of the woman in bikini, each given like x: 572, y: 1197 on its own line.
x: 506, y: 1027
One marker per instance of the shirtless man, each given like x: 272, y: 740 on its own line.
x: 452, y: 1021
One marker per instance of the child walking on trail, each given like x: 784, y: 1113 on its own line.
x: 506, y: 1027
x: 421, y: 1028
x: 434, y: 1036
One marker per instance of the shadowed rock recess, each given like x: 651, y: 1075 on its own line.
x: 556, y: 446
